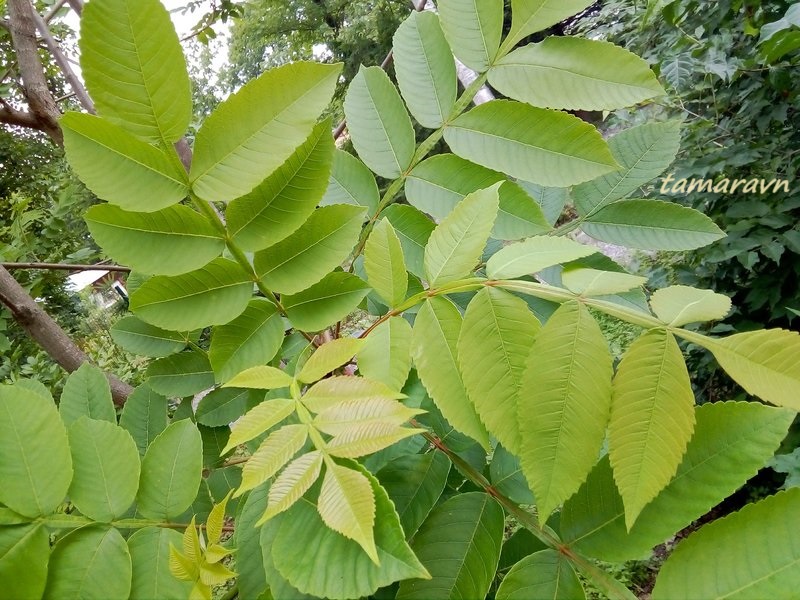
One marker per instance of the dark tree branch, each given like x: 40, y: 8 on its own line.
x: 20, y: 118
x: 41, y: 327
x: 65, y: 267
x: 77, y: 6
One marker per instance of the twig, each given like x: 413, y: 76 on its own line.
x: 64, y: 267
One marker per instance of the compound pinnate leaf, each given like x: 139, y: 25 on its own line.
x: 273, y: 453
x: 258, y: 420
x: 258, y: 128
x: 134, y: 68
x: 138, y: 337
x: 328, y: 357
x: 473, y: 28
x: 652, y: 419
x: 351, y: 182
x: 24, y: 551
x: 534, y: 255
x: 566, y: 400
x: 86, y: 393
x: 543, y: 574
x: 385, y: 265
x: 386, y: 354
x: 37, y: 470
x: 149, y: 550
x: 144, y: 416
x: 325, y: 302
x: 292, y: 483
x: 530, y: 16
x: 171, y: 471
x: 678, y: 305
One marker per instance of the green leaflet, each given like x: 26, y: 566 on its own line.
x: 378, y: 123
x: 592, y: 282
x: 530, y: 16
x: 258, y: 420
x: 303, y: 547
x: 522, y: 543
x: 552, y: 200
x: 328, y: 357
x: 459, y: 544
x: 748, y: 554
x: 507, y: 478
x: 24, y: 551
x: 134, y: 68
x: 385, y: 265
x: 561, y: 151
x: 643, y: 152
x: 274, y: 452
x: 180, y: 375
x: 258, y: 128
x: 136, y: 336
x: 575, y: 73
x: 91, y: 563
x: 36, y: 480
x: 213, y: 295
x: 105, y: 461
x: 252, y: 578
x: 652, y: 225
x: 351, y: 182
x: 281, y: 203
x: 731, y: 442
x: 320, y: 245
x: 142, y: 240
x: 120, y: 168
x: 326, y: 302
x: 251, y: 339
x: 473, y: 28
x: 435, y: 353
x: 86, y: 393
x: 262, y: 377
x: 534, y: 255
x: 763, y: 362
x: 455, y: 246
x: 415, y: 483
x: 678, y: 305
x: 223, y: 406
x: 426, y: 72
x: 652, y: 419
x: 149, y: 550
x: 171, y: 472
x: 438, y: 184
x: 413, y: 229
x: 144, y: 416
x: 386, y: 355
x: 564, y: 407
x: 544, y: 574
x: 496, y: 337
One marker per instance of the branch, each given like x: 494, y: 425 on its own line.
x: 77, y: 6
x: 46, y: 332
x: 20, y: 118
x: 65, y: 267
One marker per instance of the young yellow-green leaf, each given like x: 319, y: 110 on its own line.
x: 565, y: 405
x: 576, y: 74
x: 150, y: 549
x: 678, y: 305
x: 258, y: 128
x: 106, y: 464
x: 592, y: 282
x: 643, y: 152
x: 652, y: 419
x: 326, y: 302
x: 752, y: 553
x: 87, y: 393
x: 543, y: 574
x: 181, y: 567
x: 273, y: 453
x: 763, y: 362
x: 91, y: 563
x: 385, y: 265
x: 24, y: 551
x: 292, y: 483
x: 434, y: 348
x: 215, y: 521
x: 281, y: 203
x: 190, y: 543
x: 413, y: 229
x: 496, y: 337
x: 530, y: 16
x: 320, y: 245
x: 180, y: 375
x: 251, y: 339
x: 213, y: 295
x: 263, y: 377
x: 341, y: 417
x: 378, y: 123
x: 534, y: 255
x: 134, y: 68
x: 332, y: 391
x: 560, y: 151
x: 367, y: 437
x: 212, y: 574
x: 258, y: 420
x: 473, y: 28
x: 455, y: 246
x: 426, y: 71
x: 347, y: 506
x: 386, y: 355
x: 328, y: 357
x: 138, y: 337
x: 171, y: 472
x: 351, y: 182
x: 120, y: 168
x: 142, y: 240
x: 37, y: 467
x: 652, y: 225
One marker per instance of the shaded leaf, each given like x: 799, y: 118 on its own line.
x: 86, y: 393
x: 326, y: 302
